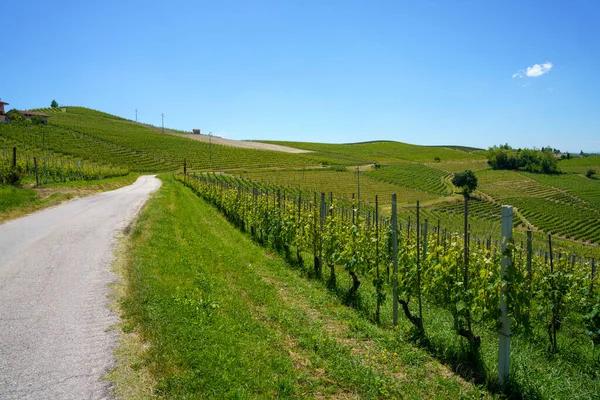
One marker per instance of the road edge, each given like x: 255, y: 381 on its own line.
x: 129, y: 378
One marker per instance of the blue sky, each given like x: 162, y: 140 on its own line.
x: 474, y: 73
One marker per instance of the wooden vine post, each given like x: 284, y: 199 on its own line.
x: 395, y: 260
x: 529, y: 258
x: 467, y: 332
x: 323, y: 216
x: 593, y: 276
x: 504, y: 333
x: 35, y: 167
x: 466, y: 260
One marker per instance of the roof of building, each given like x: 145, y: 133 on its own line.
x: 3, y: 102
x: 32, y: 113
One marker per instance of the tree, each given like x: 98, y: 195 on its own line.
x: 437, y: 159
x: 15, y: 116
x: 466, y: 181
x: 54, y: 104
x: 590, y: 173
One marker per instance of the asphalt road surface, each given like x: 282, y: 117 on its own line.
x: 55, y: 268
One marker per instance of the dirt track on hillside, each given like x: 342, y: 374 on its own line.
x: 241, y: 143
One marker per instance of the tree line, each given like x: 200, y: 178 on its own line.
x: 531, y: 160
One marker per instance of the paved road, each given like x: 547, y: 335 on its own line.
x: 54, y: 271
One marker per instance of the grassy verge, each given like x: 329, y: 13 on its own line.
x: 19, y: 201
x: 216, y: 316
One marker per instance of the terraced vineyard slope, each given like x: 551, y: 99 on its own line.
x: 565, y: 205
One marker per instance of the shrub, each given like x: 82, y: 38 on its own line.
x: 590, y: 173
x: 9, y: 174
x: 15, y: 116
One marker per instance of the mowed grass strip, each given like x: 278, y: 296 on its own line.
x: 16, y: 202
x: 223, y: 318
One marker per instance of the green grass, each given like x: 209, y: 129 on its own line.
x: 222, y: 318
x: 11, y: 197
x: 19, y: 201
x: 580, y: 165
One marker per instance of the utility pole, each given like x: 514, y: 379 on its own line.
x: 163, y: 122
x: 136, y: 115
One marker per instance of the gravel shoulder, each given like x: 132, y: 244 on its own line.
x: 54, y: 276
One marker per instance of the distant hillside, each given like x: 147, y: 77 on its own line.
x: 386, y: 152
x: 100, y: 137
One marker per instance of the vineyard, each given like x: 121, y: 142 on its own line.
x: 101, y: 138
x: 552, y: 296
x: 565, y: 205
x: 342, y: 181
x: 167, y: 151
x: 386, y: 152
x: 18, y: 163
x: 414, y: 176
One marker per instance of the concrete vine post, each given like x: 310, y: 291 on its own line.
x: 419, y: 265
x: 504, y: 333
x: 395, y: 260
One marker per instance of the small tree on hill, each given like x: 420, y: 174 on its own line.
x: 54, y: 104
x: 466, y: 181
x: 590, y: 173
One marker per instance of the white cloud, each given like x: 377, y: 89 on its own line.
x: 538, y: 70
x: 534, y: 71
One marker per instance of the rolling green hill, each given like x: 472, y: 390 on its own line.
x: 567, y: 205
